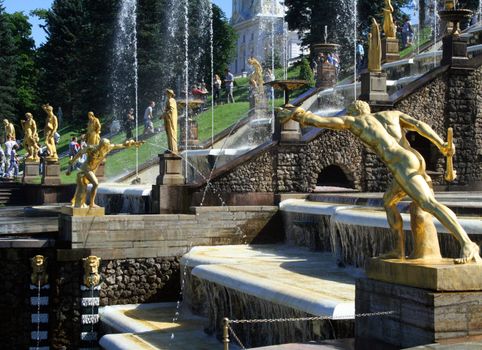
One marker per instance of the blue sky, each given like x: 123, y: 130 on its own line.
x: 39, y: 35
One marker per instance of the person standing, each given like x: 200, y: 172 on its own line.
x: 407, y: 33
x: 148, y: 125
x: 8, y: 150
x: 129, y: 123
x: 360, y: 55
x: 2, y: 161
x: 13, y: 167
x: 217, y: 89
x: 170, y: 120
x: 268, y: 77
x: 229, y: 85
x: 74, y: 148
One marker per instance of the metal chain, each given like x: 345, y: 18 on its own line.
x: 236, y: 337
x: 314, y: 318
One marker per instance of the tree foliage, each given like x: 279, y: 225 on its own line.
x: 305, y: 72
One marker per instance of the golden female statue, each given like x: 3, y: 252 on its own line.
x: 51, y: 125
x: 374, y: 48
x: 384, y: 133
x: 30, y: 140
x: 389, y: 27
x: 93, y: 130
x: 256, y: 78
x: 95, y: 155
x: 9, y: 130
x: 170, y: 121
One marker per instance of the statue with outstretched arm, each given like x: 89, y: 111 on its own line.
x: 384, y: 134
x: 95, y: 155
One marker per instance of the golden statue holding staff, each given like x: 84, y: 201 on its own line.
x: 95, y: 155
x: 9, y: 130
x: 170, y: 120
x: 51, y: 125
x: 30, y: 140
x: 384, y: 134
x: 93, y: 130
x: 389, y: 27
x: 374, y: 48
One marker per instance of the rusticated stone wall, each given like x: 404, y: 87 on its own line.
x: 452, y: 99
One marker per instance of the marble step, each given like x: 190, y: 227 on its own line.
x: 152, y: 326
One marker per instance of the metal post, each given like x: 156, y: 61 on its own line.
x: 226, y: 333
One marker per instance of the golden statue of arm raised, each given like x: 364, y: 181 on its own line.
x: 95, y: 155
x: 406, y: 165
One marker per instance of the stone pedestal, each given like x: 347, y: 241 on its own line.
x: 170, y: 170
x: 374, y: 87
x: 289, y: 131
x: 454, y: 51
x: 435, y: 302
x: 390, y: 50
x: 192, y: 137
x: 72, y: 211
x: 51, y: 175
x: 30, y: 172
x: 170, y: 199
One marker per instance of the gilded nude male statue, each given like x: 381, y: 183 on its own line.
x: 384, y: 134
x: 9, y: 130
x: 51, y: 125
x: 30, y: 140
x: 86, y: 174
x: 256, y: 78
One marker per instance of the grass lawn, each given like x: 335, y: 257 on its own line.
x: 124, y: 161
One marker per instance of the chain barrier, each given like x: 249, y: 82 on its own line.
x: 228, y: 329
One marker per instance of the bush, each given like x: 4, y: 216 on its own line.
x: 306, y: 73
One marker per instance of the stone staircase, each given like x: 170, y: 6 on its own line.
x: 10, y: 194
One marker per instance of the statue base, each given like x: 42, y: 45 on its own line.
x: 192, y: 137
x: 73, y: 211
x: 420, y: 316
x: 374, y: 87
x: 170, y: 199
x: 390, y: 50
x: 289, y: 131
x: 31, y: 172
x: 51, y: 174
x: 454, y: 51
x: 438, y: 275
x: 170, y: 170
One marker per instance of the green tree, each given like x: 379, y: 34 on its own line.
x: 26, y: 77
x: 305, y: 72
x: 8, y: 67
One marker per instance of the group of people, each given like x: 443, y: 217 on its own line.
x: 330, y: 58
x: 228, y: 87
x: 8, y: 158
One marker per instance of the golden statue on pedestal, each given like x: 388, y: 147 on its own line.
x: 91, y: 271
x: 30, y: 140
x: 389, y: 27
x: 256, y: 78
x: 374, y: 48
x: 9, y: 130
x: 39, y: 270
x: 51, y: 125
x: 384, y: 134
x: 93, y: 130
x: 95, y: 156
x: 170, y: 121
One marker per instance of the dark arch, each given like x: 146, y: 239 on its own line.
x: 424, y: 147
x: 333, y: 175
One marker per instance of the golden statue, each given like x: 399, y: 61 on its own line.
x: 51, y: 125
x: 9, y: 130
x: 374, y: 48
x: 91, y: 271
x: 170, y: 120
x: 95, y: 156
x: 93, y: 130
x: 389, y: 27
x: 39, y: 270
x: 384, y: 134
x: 30, y: 140
x: 256, y: 78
